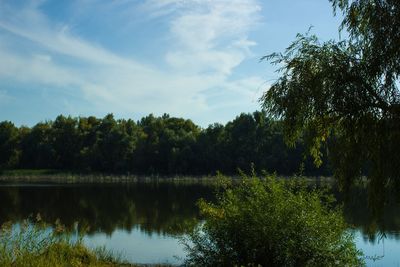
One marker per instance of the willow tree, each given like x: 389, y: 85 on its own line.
x: 344, y: 95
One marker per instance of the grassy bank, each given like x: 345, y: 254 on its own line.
x: 36, y: 244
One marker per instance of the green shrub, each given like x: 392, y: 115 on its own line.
x: 271, y: 222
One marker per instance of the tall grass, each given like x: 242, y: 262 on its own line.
x: 36, y: 244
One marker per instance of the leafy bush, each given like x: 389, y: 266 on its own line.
x: 271, y: 222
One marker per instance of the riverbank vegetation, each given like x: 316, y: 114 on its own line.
x: 271, y: 222
x: 35, y: 244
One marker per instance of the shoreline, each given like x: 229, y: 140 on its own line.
x: 100, y: 179
x: 10, y: 177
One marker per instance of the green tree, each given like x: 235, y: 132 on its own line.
x: 36, y: 147
x: 87, y: 130
x: 346, y: 93
x: 113, y: 145
x: 65, y: 141
x: 212, y: 153
x: 166, y: 145
x: 8, y: 144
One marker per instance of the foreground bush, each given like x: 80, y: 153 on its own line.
x: 35, y: 244
x: 270, y: 222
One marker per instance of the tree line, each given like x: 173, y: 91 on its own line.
x: 154, y: 146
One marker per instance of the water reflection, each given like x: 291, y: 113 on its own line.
x: 376, y: 221
x: 152, y: 208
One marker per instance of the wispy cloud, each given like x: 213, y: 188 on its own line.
x: 209, y: 34
x: 206, y: 41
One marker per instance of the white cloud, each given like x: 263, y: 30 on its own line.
x: 60, y: 41
x: 208, y: 39
x: 211, y: 34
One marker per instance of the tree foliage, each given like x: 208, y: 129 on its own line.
x: 344, y: 95
x: 8, y: 142
x: 152, y: 146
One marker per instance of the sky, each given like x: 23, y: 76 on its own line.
x: 196, y: 59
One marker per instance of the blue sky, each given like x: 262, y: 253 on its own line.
x: 196, y: 59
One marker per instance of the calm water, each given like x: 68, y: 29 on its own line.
x: 144, y: 221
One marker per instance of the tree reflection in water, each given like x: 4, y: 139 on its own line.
x: 162, y: 208
x: 152, y: 207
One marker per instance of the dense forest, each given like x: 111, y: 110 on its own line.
x: 154, y: 146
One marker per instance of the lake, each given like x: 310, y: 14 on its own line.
x: 144, y: 222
